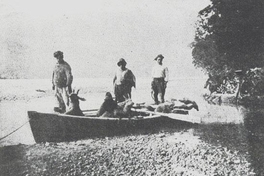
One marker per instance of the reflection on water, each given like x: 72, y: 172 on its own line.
x: 254, y: 124
x: 245, y: 138
x: 224, y: 114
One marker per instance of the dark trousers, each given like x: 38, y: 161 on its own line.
x: 122, y: 92
x: 158, y: 86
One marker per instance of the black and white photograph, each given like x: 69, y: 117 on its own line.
x: 132, y: 88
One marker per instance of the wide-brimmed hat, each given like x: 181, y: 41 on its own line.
x: 121, y: 61
x: 159, y: 56
x: 58, y: 53
x: 108, y: 96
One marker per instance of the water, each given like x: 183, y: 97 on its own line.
x: 246, y: 138
x: 231, y: 127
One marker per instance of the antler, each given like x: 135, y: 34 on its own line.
x: 82, y: 99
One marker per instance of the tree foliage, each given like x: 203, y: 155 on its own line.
x: 230, y: 34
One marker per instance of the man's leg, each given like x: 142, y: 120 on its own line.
x: 160, y: 91
x: 70, y: 89
x: 127, y: 92
x: 59, y: 97
x: 163, y: 93
x: 154, y: 91
x: 65, y: 97
x: 160, y: 98
x: 116, y: 92
x: 119, y: 93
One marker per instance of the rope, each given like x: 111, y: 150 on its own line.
x: 14, y: 131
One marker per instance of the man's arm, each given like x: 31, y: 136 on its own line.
x: 130, y: 79
x: 166, y: 72
x: 133, y: 79
x: 114, y: 79
x: 52, y: 80
x: 68, y: 74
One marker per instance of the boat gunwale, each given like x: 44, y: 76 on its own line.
x: 99, y: 118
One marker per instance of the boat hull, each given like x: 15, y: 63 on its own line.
x: 50, y: 127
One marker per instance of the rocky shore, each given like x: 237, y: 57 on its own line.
x: 163, y: 153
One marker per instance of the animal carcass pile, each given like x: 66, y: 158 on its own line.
x: 172, y: 106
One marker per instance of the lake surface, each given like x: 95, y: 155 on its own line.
x: 231, y: 127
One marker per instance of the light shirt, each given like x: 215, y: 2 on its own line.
x: 125, y: 78
x: 120, y: 75
x: 62, y: 75
x: 160, y: 71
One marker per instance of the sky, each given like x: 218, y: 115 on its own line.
x: 95, y: 34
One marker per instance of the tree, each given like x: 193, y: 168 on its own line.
x: 230, y: 33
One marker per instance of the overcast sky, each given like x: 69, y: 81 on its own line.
x: 94, y: 34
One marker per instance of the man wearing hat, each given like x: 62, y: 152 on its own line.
x: 123, y: 81
x: 160, y: 75
x: 61, y: 82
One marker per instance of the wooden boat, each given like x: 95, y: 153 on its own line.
x: 52, y: 127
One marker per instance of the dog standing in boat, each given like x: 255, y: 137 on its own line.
x: 75, y: 104
x: 110, y: 108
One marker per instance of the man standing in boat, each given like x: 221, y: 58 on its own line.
x: 123, y: 81
x: 61, y: 82
x: 160, y: 75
